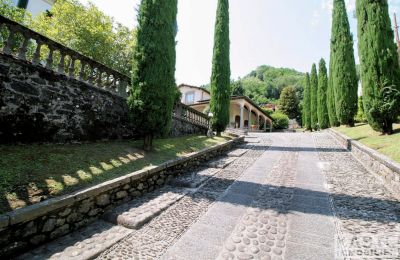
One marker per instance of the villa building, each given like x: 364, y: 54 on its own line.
x: 35, y: 7
x: 244, y: 112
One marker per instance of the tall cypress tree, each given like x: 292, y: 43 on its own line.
x: 323, y: 117
x: 380, y: 74
x: 153, y: 78
x: 344, y: 74
x: 314, y: 98
x: 330, y: 98
x: 221, y: 71
x: 307, y: 103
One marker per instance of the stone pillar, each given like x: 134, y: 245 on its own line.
x: 249, y: 118
x: 265, y: 124
x: 258, y: 121
x: 241, y: 116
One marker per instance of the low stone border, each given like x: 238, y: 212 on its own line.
x: 53, y: 218
x: 384, y: 167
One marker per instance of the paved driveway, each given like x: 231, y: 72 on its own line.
x: 284, y: 196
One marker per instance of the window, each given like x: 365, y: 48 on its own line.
x: 22, y: 4
x: 189, y: 98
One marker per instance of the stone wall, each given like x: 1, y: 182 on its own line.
x: 36, y: 224
x: 41, y: 105
x: 385, y: 168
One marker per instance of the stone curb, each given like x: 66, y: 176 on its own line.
x: 34, y: 211
x: 376, y: 162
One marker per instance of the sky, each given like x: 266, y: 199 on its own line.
x: 280, y: 33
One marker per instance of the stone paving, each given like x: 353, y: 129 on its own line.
x: 278, y: 196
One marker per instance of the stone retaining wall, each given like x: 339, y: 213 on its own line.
x: 36, y: 224
x: 41, y: 105
x: 384, y: 167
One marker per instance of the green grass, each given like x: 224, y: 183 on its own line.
x: 32, y: 173
x: 385, y: 144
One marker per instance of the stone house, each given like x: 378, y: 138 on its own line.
x: 244, y: 112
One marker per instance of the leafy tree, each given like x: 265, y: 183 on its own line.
x: 221, y: 72
x: 237, y: 88
x: 314, y: 98
x: 90, y: 32
x: 344, y: 74
x: 307, y: 103
x: 322, y: 110
x: 380, y: 72
x: 153, y: 79
x: 360, y: 117
x: 7, y: 9
x: 289, y: 102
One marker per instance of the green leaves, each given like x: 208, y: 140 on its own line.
x: 322, y: 107
x: 221, y: 72
x: 380, y: 72
x: 289, y: 102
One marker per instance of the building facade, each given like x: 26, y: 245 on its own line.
x: 244, y: 112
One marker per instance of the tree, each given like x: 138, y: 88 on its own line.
x: 344, y: 74
x: 289, y: 102
x: 153, y: 78
x: 89, y: 31
x: 221, y: 72
x: 380, y: 74
x: 307, y: 103
x: 330, y: 98
x: 322, y: 110
x: 360, y: 117
x: 314, y: 98
x: 237, y: 88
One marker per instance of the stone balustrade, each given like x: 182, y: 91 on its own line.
x: 25, y: 44
x: 191, y: 115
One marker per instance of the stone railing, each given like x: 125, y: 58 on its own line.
x: 191, y: 115
x: 25, y: 44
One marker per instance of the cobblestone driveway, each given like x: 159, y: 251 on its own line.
x: 285, y: 196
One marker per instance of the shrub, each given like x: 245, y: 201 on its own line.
x: 280, y: 121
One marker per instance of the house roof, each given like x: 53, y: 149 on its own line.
x: 189, y: 86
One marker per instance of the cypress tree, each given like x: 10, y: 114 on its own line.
x: 221, y: 72
x: 344, y: 74
x: 380, y: 74
x: 153, y: 78
x: 323, y: 117
x: 307, y: 103
x: 314, y: 98
x: 330, y: 98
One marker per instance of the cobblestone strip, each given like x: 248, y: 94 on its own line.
x: 153, y: 240
x: 367, y: 215
x: 261, y: 232
x: 85, y: 244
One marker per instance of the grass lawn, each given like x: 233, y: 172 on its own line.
x: 33, y: 173
x: 388, y: 145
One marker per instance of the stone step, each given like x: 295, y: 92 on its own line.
x: 221, y: 163
x: 86, y: 243
x: 140, y: 211
x: 194, y: 179
x: 237, y: 153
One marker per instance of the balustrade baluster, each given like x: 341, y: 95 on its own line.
x: 61, y: 65
x: 10, y: 40
x: 82, y: 71
x: 49, y: 60
x: 91, y: 73
x: 24, y: 47
x: 36, y: 56
x: 99, y: 78
x: 71, y: 68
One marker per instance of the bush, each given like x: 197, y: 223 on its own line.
x: 280, y: 121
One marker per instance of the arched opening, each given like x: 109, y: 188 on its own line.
x: 237, y: 121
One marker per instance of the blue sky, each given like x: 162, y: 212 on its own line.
x: 281, y: 33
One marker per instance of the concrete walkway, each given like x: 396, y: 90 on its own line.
x: 280, y: 196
